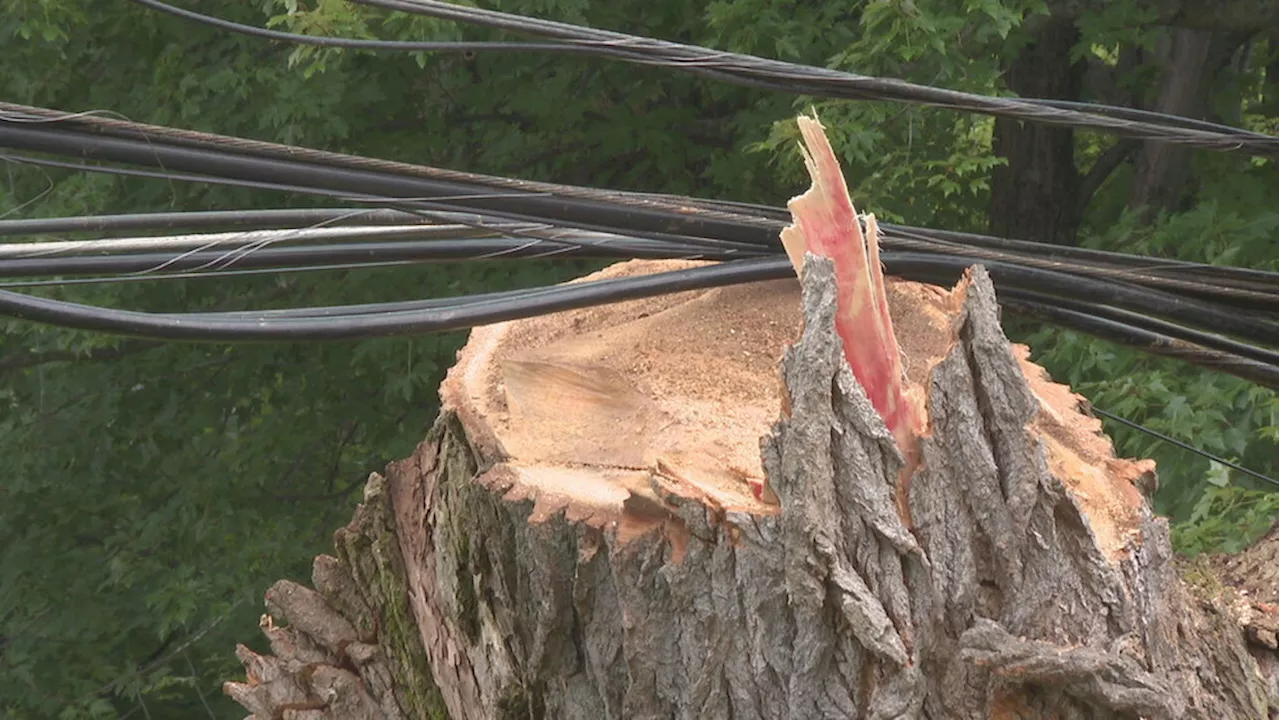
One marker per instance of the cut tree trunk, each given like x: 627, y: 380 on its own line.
x: 1035, y: 194
x: 627, y: 512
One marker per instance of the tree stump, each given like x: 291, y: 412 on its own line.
x: 627, y: 512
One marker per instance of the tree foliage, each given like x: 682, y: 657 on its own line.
x: 148, y: 494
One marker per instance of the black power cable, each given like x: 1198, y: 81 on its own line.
x: 1132, y: 329
x: 767, y: 74
x: 376, y: 251
x: 1147, y: 301
x: 1242, y: 278
x: 1082, y: 315
x: 587, y: 213
x: 753, y: 224
x: 220, y: 275
x: 206, y: 220
x: 1171, y: 331
x: 1236, y: 277
x: 824, y: 82
x: 420, y: 251
x: 671, y: 212
x: 953, y: 270
x: 1174, y: 441
x: 466, y: 313
x: 512, y: 203
x: 1224, y: 293
x: 1155, y: 343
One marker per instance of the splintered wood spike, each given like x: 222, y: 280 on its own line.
x: 825, y: 224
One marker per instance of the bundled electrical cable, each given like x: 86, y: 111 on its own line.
x: 1217, y: 317
x: 769, y: 74
x: 1172, y: 308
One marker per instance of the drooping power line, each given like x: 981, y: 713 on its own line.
x: 769, y: 74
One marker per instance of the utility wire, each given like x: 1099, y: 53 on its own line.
x: 1170, y: 331
x: 1242, y: 278
x: 207, y: 220
x: 1133, y: 329
x: 119, y: 256
x: 260, y: 256
x: 219, y: 275
x: 510, y: 232
x: 770, y: 74
x: 9, y: 251
x: 584, y: 208
x: 265, y: 164
x: 361, y: 43
x: 824, y: 82
x: 251, y: 251
x: 201, y: 241
x: 1140, y: 335
x: 1159, y: 304
x: 575, y: 207
x: 19, y: 115
x: 1178, y: 443
x: 357, y: 178
x: 1249, y: 298
x: 410, y: 244
x: 465, y: 313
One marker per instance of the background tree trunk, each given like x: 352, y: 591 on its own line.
x: 1193, y: 59
x: 1035, y: 195
x: 1024, y: 576
x: 1039, y: 193
x: 1271, y: 86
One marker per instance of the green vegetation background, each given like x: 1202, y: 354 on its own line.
x: 149, y: 494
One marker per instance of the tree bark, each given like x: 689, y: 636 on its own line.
x: 623, y: 513
x: 1193, y: 59
x: 1271, y: 83
x: 1029, y: 580
x: 1035, y: 195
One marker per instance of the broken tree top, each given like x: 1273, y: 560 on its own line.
x: 615, y: 415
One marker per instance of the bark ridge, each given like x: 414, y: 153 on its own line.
x: 1000, y: 588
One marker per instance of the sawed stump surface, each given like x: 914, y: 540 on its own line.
x: 1020, y: 573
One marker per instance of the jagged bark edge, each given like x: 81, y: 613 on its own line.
x: 449, y: 454
x: 349, y: 649
x: 369, y: 548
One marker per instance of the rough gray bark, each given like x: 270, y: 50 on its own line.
x: 1193, y: 59
x: 1039, y: 194
x: 999, y: 596
x: 349, y: 649
x: 1035, y: 195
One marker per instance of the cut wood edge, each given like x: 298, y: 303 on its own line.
x: 563, y: 409
x: 615, y: 416
x: 504, y: 595
x: 348, y: 649
x: 608, y: 491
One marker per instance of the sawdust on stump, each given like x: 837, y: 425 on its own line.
x: 606, y: 413
x: 1033, y: 581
